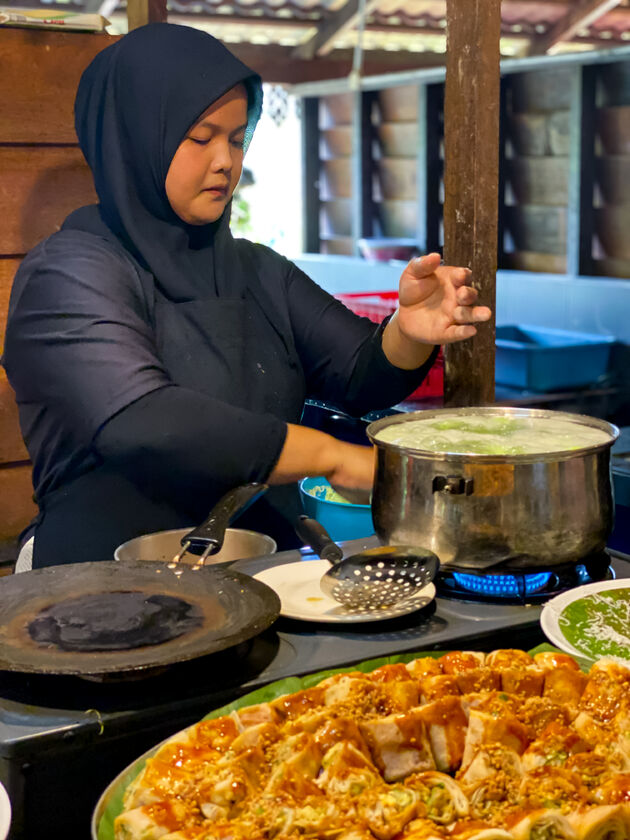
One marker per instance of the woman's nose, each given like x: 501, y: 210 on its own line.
x: 222, y: 158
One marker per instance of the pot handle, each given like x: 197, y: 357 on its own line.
x: 211, y: 533
x: 453, y: 485
x: 313, y: 533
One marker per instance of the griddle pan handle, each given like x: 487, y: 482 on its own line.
x: 311, y: 532
x: 211, y: 532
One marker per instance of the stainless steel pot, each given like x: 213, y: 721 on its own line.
x: 238, y: 544
x: 480, y: 510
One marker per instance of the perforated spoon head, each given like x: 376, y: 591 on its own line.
x: 380, y: 577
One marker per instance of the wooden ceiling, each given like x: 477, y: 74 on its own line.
x: 305, y: 40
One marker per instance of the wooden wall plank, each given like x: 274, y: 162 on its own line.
x: 40, y: 185
x: 8, y: 267
x: 17, y: 507
x: 12, y: 447
x: 471, y: 183
x: 37, y: 100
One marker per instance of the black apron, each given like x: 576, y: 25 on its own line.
x: 226, y: 349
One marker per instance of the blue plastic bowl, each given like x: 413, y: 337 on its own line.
x: 342, y: 521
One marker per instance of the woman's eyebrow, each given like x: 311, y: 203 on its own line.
x: 211, y: 125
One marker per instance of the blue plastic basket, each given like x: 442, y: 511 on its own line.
x: 342, y: 521
x: 541, y: 359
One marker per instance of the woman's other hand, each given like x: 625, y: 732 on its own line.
x: 437, y: 305
x: 309, y: 452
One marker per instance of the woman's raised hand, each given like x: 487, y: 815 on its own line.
x: 437, y: 302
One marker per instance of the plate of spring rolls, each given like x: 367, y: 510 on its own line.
x: 462, y: 745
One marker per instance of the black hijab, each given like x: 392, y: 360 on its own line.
x: 135, y: 103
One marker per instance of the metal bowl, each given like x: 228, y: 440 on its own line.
x: 162, y: 546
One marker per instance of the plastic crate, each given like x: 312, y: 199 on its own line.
x: 542, y: 359
x: 378, y: 305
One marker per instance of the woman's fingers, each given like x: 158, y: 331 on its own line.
x: 423, y: 266
x: 458, y: 276
x: 471, y: 314
x: 459, y: 332
x: 466, y: 295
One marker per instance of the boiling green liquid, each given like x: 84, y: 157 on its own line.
x: 599, y: 625
x: 478, y: 435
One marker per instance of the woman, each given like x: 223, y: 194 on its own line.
x: 157, y: 361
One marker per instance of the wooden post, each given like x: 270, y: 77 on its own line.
x: 361, y: 164
x: 580, y: 212
x: 140, y: 12
x: 471, y: 151
x: 310, y: 174
x: 429, y: 167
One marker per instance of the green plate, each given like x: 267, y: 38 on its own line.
x: 110, y: 805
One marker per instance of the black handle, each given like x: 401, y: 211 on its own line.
x: 311, y: 532
x: 211, y: 532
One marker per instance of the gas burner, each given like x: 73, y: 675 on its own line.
x: 507, y: 585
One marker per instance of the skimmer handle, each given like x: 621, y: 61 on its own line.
x: 311, y: 532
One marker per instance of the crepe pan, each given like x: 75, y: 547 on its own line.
x: 229, y: 607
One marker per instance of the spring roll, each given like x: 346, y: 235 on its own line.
x: 543, y: 824
x: 399, y: 744
x: 425, y: 666
x: 605, y: 693
x: 441, y: 798
x: 398, y: 685
x: 291, y: 706
x: 590, y: 766
x: 446, y: 724
x: 490, y: 762
x: 469, y: 670
x: 151, y: 822
x: 478, y: 830
x: 555, y: 745
x: 435, y: 687
x: 508, y: 658
x: 613, y: 791
x: 388, y: 811
x: 423, y: 829
x: 347, y: 770
x: 537, y: 713
x: 552, y: 787
x: 604, y: 822
x: 485, y: 729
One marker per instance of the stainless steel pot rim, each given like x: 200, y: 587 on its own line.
x: 506, y: 411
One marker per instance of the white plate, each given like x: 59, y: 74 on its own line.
x: 550, y: 616
x: 297, y: 585
x: 5, y: 813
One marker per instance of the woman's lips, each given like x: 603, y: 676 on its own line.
x: 217, y: 191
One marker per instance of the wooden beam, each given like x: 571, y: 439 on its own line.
x: 579, y: 16
x: 331, y: 27
x: 276, y: 64
x: 140, y: 12
x: 471, y: 178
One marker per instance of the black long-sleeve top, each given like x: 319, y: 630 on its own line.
x: 139, y: 412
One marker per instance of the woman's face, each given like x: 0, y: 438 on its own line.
x: 206, y: 167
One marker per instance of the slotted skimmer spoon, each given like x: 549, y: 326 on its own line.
x: 373, y: 579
